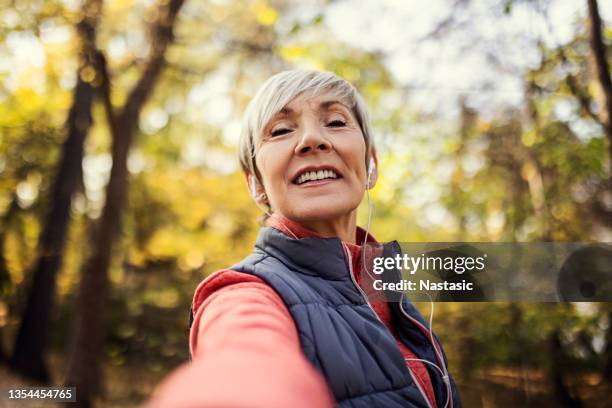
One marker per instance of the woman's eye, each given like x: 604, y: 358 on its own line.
x: 279, y: 132
x: 336, y: 123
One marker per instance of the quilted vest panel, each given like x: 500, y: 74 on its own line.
x: 339, y: 332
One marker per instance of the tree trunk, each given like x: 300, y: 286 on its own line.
x: 598, y: 48
x: 557, y: 356
x: 30, y: 345
x: 5, y: 277
x: 85, y: 366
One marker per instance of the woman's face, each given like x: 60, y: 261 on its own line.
x: 312, y: 160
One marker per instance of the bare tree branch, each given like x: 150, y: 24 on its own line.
x: 583, y: 98
x: 162, y: 36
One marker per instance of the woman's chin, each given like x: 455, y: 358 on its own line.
x: 321, y: 212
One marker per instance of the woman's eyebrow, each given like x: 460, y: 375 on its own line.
x: 285, y: 111
x: 326, y: 105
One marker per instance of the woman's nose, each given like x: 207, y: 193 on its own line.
x: 312, y: 139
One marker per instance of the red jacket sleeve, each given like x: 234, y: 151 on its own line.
x: 246, y: 352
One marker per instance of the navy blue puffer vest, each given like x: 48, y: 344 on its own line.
x: 339, y: 332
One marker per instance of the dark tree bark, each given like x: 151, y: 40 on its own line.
x: 557, y: 356
x: 85, y: 366
x: 598, y: 48
x: 28, y: 354
x: 5, y: 277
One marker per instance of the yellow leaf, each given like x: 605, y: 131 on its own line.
x: 265, y: 14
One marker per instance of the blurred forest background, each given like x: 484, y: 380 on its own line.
x: 120, y: 189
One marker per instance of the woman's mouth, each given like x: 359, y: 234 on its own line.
x: 315, y: 177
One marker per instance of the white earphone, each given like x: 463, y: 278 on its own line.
x: 443, y: 369
x: 371, y: 167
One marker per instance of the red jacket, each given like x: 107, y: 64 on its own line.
x: 221, y: 373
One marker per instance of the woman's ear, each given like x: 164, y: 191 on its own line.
x: 372, y: 169
x: 255, y: 187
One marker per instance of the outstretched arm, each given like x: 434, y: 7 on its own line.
x: 246, y: 352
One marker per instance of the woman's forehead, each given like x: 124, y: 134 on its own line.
x: 320, y: 103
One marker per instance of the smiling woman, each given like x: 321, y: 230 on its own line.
x: 301, y: 123
x: 289, y: 325
x: 310, y: 158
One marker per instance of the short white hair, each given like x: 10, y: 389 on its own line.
x: 281, y: 89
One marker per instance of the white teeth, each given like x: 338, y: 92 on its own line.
x: 316, y: 175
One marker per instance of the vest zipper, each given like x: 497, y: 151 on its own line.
x: 365, y: 297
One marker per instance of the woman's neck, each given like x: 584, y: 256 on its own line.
x: 343, y: 228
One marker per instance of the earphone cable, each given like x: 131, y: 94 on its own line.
x: 443, y: 371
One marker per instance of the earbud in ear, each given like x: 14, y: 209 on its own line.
x: 371, y: 167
